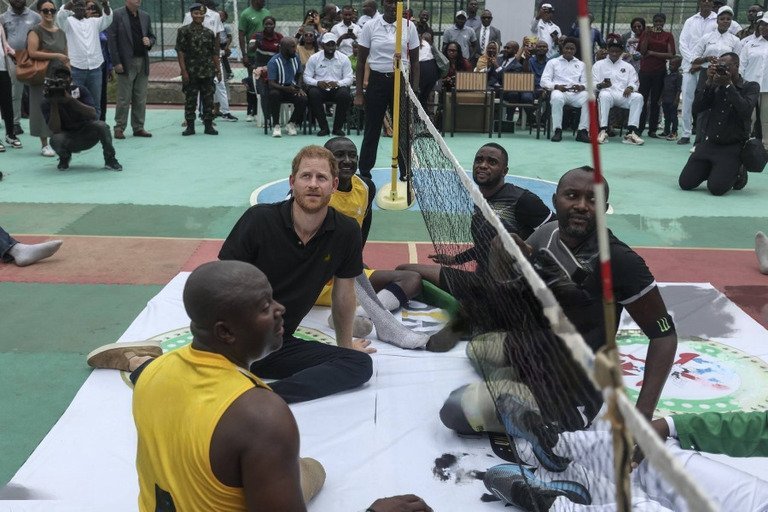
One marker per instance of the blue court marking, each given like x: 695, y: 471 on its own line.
x: 276, y: 191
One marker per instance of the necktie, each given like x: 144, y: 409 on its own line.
x: 483, y: 38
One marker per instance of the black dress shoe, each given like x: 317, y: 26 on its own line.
x: 323, y: 133
x: 741, y: 179
x: 684, y: 140
x: 583, y: 136
x: 652, y: 135
x: 557, y: 136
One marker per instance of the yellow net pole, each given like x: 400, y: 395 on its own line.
x: 396, y: 101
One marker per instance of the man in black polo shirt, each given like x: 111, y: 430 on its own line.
x: 300, y: 244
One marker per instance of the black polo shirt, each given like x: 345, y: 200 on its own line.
x: 264, y: 236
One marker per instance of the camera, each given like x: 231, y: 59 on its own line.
x: 721, y: 69
x: 53, y: 87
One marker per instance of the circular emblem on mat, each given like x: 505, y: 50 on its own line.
x: 706, y: 375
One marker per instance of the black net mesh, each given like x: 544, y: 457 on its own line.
x: 534, y: 401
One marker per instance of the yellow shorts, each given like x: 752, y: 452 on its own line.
x: 325, y: 296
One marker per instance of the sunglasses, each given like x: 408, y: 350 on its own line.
x: 48, y: 11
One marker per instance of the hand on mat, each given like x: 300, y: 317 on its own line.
x: 362, y: 345
x: 404, y: 503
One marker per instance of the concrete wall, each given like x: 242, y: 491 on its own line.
x: 512, y: 17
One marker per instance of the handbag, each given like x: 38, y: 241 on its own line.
x: 28, y: 70
x: 753, y: 155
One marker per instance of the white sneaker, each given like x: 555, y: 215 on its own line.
x: 634, y: 139
x: 47, y: 151
x: 693, y: 148
x: 602, y: 137
x: 249, y: 118
x: 276, y: 131
x: 291, y: 129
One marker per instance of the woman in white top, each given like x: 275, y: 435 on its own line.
x: 752, y: 66
x: 6, y: 102
x: 430, y: 72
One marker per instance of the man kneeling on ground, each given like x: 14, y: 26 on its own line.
x: 71, y: 116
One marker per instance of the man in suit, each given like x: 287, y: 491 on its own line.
x: 486, y: 33
x: 130, y: 38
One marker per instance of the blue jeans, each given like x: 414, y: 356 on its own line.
x: 91, y: 80
x: 6, y: 242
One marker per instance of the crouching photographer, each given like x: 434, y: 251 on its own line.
x: 729, y: 100
x: 71, y: 116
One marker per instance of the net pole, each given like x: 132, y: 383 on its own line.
x: 622, y: 441
x: 396, y: 101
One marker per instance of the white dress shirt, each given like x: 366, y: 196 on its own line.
x: 83, y: 45
x: 362, y: 20
x: 339, y: 30
x: 694, y: 29
x: 559, y: 71
x: 714, y: 44
x: 379, y: 37
x: 321, y: 69
x: 485, y: 38
x: 621, y: 73
x: 543, y: 30
x: 753, y: 60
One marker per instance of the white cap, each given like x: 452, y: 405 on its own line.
x: 327, y: 37
x: 461, y: 13
x: 547, y: 6
x: 723, y: 9
x: 763, y: 18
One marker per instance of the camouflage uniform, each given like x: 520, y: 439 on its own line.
x: 199, y: 46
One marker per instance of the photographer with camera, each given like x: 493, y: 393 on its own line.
x: 71, y: 116
x: 729, y: 100
x: 346, y: 31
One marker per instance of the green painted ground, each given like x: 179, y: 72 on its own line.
x: 198, y: 186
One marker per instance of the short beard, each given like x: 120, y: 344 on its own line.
x: 491, y: 183
x: 310, y: 209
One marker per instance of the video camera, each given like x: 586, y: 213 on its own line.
x: 55, y: 86
x: 721, y: 69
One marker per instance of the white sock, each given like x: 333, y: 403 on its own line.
x: 388, y: 300
x: 361, y: 327
x: 24, y: 254
x: 388, y: 328
x: 761, y: 250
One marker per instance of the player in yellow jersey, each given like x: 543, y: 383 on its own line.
x: 196, y: 409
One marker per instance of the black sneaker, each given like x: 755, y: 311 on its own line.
x: 583, y: 136
x: 652, y: 135
x: 684, y: 140
x: 18, y: 130
x: 741, y: 179
x: 227, y: 117
x: 323, y: 133
x: 113, y: 165
x: 557, y: 136
x: 517, y: 485
x: 63, y: 163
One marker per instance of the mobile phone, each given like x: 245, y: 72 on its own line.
x: 350, y: 31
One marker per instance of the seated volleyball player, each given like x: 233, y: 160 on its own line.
x: 519, y: 210
x: 531, y: 401
x: 300, y: 244
x: 212, y: 435
x: 387, y: 290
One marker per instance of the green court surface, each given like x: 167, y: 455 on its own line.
x: 195, y: 188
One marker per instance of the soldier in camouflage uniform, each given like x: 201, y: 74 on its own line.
x: 198, y: 54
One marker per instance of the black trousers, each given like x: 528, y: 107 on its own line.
x: 103, y: 99
x: 340, y: 96
x: 6, y: 102
x: 277, y: 98
x: 66, y: 143
x: 651, y: 86
x: 429, y: 74
x: 718, y: 165
x: 670, y: 117
x: 378, y: 97
x: 308, y: 369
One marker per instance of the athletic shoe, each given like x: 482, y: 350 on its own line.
x: 583, y: 136
x: 652, y: 135
x: 741, y: 178
x: 663, y: 135
x: 113, y: 165
x: 117, y: 356
x: 276, y: 131
x: 557, y: 136
x: 227, y: 117
x: 63, y: 163
x: 249, y: 118
x: 14, y: 142
x: 47, y: 151
x: 520, y: 421
x: 684, y: 140
x: 602, y: 137
x: 291, y: 129
x: 633, y: 138
x: 672, y: 136
x: 2, y: 148
x: 18, y: 130
x: 517, y: 485
x: 693, y: 148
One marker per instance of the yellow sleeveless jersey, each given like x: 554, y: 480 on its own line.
x: 353, y: 203
x: 177, y: 403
